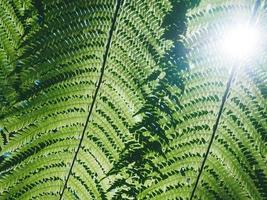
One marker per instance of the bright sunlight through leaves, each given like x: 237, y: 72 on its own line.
x: 241, y: 42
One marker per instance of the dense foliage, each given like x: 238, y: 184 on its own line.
x: 130, y: 99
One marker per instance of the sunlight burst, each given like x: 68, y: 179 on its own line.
x: 241, y: 42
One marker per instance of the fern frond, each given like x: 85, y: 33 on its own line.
x: 59, y: 74
x: 18, y: 19
x: 235, y: 165
x: 125, y: 99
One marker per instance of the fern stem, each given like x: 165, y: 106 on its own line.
x: 105, y: 56
x: 226, y: 94
x: 215, y: 127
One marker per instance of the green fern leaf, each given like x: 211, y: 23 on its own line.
x: 123, y: 99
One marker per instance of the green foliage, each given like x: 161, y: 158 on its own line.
x: 18, y: 20
x: 118, y: 99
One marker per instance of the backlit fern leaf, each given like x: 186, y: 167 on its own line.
x: 236, y: 161
x: 129, y: 99
x: 81, y: 45
x: 18, y: 20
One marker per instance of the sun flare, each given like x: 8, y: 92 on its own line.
x: 241, y: 42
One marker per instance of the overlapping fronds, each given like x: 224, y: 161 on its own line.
x: 18, y: 19
x: 130, y: 99
x: 81, y: 79
x: 217, y: 148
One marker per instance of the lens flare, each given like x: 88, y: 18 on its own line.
x: 241, y: 42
